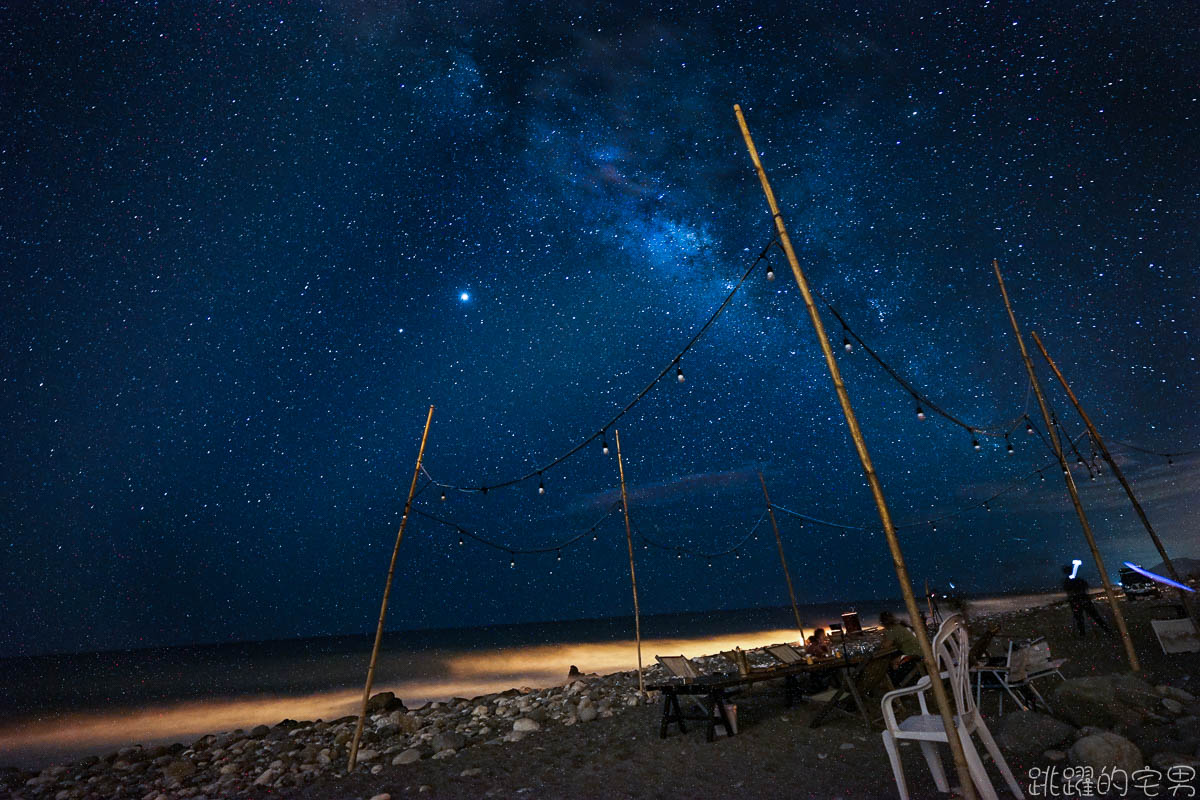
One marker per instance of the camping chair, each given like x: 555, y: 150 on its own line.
x: 869, y: 680
x: 1020, y: 668
x: 951, y: 650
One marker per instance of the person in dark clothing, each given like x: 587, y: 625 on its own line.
x: 1081, y: 602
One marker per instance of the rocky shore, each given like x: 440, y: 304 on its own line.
x: 590, y: 738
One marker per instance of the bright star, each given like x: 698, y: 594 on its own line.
x: 464, y: 297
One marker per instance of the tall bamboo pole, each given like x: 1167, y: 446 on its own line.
x: 783, y: 561
x: 860, y: 445
x: 1130, y: 653
x: 1116, y: 470
x: 387, y: 590
x: 637, y: 614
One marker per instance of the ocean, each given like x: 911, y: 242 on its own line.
x: 57, y: 708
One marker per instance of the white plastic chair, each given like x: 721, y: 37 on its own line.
x: 951, y: 650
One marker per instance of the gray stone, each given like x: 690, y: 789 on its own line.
x: 587, y: 713
x: 526, y: 725
x: 448, y: 740
x: 1106, y: 750
x: 408, y: 756
x: 1179, y: 695
x: 1103, y: 700
x: 180, y: 769
x: 382, y: 796
x: 367, y: 755
x: 268, y: 777
x: 1030, y: 732
x: 471, y: 773
x: 1173, y: 707
x: 259, y: 731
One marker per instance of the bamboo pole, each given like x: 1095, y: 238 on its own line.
x: 387, y: 590
x: 637, y: 614
x: 783, y: 561
x: 860, y: 446
x: 1130, y: 653
x: 1116, y: 470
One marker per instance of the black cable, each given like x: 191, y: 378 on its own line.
x: 518, y: 550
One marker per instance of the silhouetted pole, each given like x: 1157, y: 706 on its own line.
x: 860, y: 445
x: 1070, y: 479
x: 783, y: 561
x: 637, y: 614
x: 387, y: 590
x: 1116, y: 470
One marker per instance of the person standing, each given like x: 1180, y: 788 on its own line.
x: 1081, y: 602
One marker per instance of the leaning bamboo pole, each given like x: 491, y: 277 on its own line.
x: 860, y: 446
x: 387, y: 590
x: 1184, y: 597
x: 787, y: 575
x: 637, y: 614
x: 1051, y: 426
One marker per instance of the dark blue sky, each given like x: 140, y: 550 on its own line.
x: 245, y: 248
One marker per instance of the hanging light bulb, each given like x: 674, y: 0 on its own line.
x: 678, y: 372
x: 737, y: 555
x: 1091, y: 475
x: 558, y: 555
x: 1041, y: 475
x: 595, y: 536
x: 986, y: 507
x: 846, y: 341
x: 460, y: 541
x: 604, y: 442
x: 1028, y: 426
x: 1079, y: 460
x: 934, y: 526
x: 920, y: 411
x: 679, y: 555
x: 512, y: 562
x: 975, y: 444
x: 1008, y: 445
x: 770, y: 272
x: 443, y: 495
x: 710, y: 562
x: 541, y: 484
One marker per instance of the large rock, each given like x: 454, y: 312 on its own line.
x: 1104, y: 700
x: 525, y: 725
x: 1106, y: 751
x: 587, y: 713
x: 407, y: 757
x: 180, y: 769
x: 383, y: 703
x: 1030, y: 732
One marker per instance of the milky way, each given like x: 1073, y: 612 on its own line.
x: 246, y: 248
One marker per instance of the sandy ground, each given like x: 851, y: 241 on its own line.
x: 776, y: 754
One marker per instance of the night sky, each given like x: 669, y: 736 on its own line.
x: 245, y: 248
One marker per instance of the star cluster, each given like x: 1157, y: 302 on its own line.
x: 246, y: 247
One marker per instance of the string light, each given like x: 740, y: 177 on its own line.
x: 678, y: 372
x: 986, y: 507
x: 933, y: 525
x: 604, y: 442
x: 1008, y: 445
x: 770, y: 271
x: 460, y: 541
x: 558, y: 555
x: 975, y: 443
x: 920, y: 411
x: 1028, y: 427
x: 541, y: 484
x: 443, y: 495
x: 846, y: 340
x: 512, y: 563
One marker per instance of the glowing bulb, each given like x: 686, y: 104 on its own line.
x: 512, y: 563
x: 679, y: 554
x: 443, y: 496
x: 1009, y: 447
x: 737, y: 555
x: 986, y: 507
x: 1041, y: 475
x: 846, y: 343
x: 460, y: 541
x: 679, y: 373
x: 975, y: 443
x: 920, y: 413
x: 1029, y: 427
x: 770, y: 272
x: 558, y: 555
x: 541, y: 485
x: 710, y: 562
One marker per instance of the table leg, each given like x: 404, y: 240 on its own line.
x: 672, y: 713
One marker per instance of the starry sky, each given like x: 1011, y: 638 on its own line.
x: 246, y: 246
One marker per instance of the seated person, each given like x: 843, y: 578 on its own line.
x: 818, y: 645
x: 899, y: 636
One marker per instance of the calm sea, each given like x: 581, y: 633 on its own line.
x: 57, y: 708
